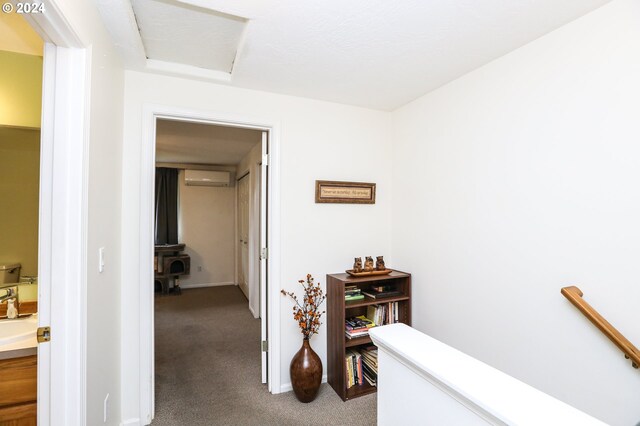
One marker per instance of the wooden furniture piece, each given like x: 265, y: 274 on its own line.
x: 18, y: 391
x: 169, y: 264
x: 338, y: 309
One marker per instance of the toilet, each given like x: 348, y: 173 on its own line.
x: 9, y: 273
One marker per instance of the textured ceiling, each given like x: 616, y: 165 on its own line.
x: 184, y: 142
x: 374, y: 53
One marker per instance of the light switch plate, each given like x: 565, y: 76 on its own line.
x: 106, y: 408
x: 101, y: 259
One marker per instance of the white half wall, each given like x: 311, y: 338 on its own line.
x: 207, y: 228
x: 318, y: 140
x: 520, y: 178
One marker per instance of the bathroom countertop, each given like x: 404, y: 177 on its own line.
x: 22, y: 346
x: 19, y: 349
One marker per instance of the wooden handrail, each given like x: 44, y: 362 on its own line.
x: 575, y: 297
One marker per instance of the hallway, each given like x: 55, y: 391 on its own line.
x: 208, y: 369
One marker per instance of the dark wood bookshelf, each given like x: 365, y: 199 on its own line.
x: 371, y: 301
x: 338, y: 309
x: 348, y: 343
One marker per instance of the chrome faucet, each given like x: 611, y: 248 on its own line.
x: 11, y: 293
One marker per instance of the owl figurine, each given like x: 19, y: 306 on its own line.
x: 357, y: 265
x: 368, y: 264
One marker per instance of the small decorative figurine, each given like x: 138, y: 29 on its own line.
x: 368, y: 264
x: 357, y: 265
x: 380, y: 264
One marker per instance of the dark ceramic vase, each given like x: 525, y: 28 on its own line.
x: 306, y: 373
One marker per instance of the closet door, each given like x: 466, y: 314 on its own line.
x: 243, y: 233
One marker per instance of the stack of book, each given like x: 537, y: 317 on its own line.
x: 352, y: 292
x: 353, y: 361
x: 381, y: 291
x: 369, y: 360
x: 386, y: 313
x: 357, y: 326
x: 361, y: 366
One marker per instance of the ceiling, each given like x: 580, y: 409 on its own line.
x: 16, y: 35
x: 373, y: 53
x: 197, y: 143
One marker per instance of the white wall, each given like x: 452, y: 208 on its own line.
x: 19, y: 188
x: 105, y: 115
x: 207, y: 227
x: 521, y: 178
x: 318, y: 140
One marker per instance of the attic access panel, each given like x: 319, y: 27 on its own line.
x: 184, y: 34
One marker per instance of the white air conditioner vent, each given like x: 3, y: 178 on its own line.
x: 207, y: 178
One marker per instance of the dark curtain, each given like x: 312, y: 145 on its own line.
x: 166, y: 231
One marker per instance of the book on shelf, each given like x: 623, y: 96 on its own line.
x: 381, y: 314
x: 381, y: 295
x: 359, y: 322
x: 354, y: 297
x: 353, y: 293
x: 355, y: 375
x: 350, y: 335
x: 381, y: 288
x: 348, y: 370
x: 361, y: 366
x: 357, y: 326
x: 369, y: 356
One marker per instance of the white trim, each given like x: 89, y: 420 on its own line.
x: 203, y: 285
x: 53, y: 26
x: 263, y: 244
x: 45, y: 234
x: 181, y: 70
x: 69, y: 239
x: 62, y: 220
x: 131, y: 422
x: 147, y: 167
x: 273, y: 273
x: 146, y: 337
x: 255, y: 315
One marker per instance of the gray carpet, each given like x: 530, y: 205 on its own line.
x: 208, y: 369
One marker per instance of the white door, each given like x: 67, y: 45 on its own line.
x: 264, y: 251
x: 243, y: 234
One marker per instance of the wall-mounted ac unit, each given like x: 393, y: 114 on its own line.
x: 207, y: 178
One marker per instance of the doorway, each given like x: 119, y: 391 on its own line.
x: 243, y: 234
x: 21, y: 70
x: 268, y: 233
x: 62, y: 219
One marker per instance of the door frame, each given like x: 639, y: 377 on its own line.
x: 150, y: 114
x: 237, y: 247
x: 63, y: 218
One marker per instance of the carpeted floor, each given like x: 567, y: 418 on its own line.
x: 208, y: 369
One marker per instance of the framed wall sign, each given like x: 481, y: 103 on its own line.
x: 328, y: 191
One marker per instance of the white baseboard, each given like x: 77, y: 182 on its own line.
x: 183, y: 286
x: 131, y: 422
x: 287, y: 387
x: 255, y: 314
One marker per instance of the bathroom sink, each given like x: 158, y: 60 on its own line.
x: 15, y: 330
